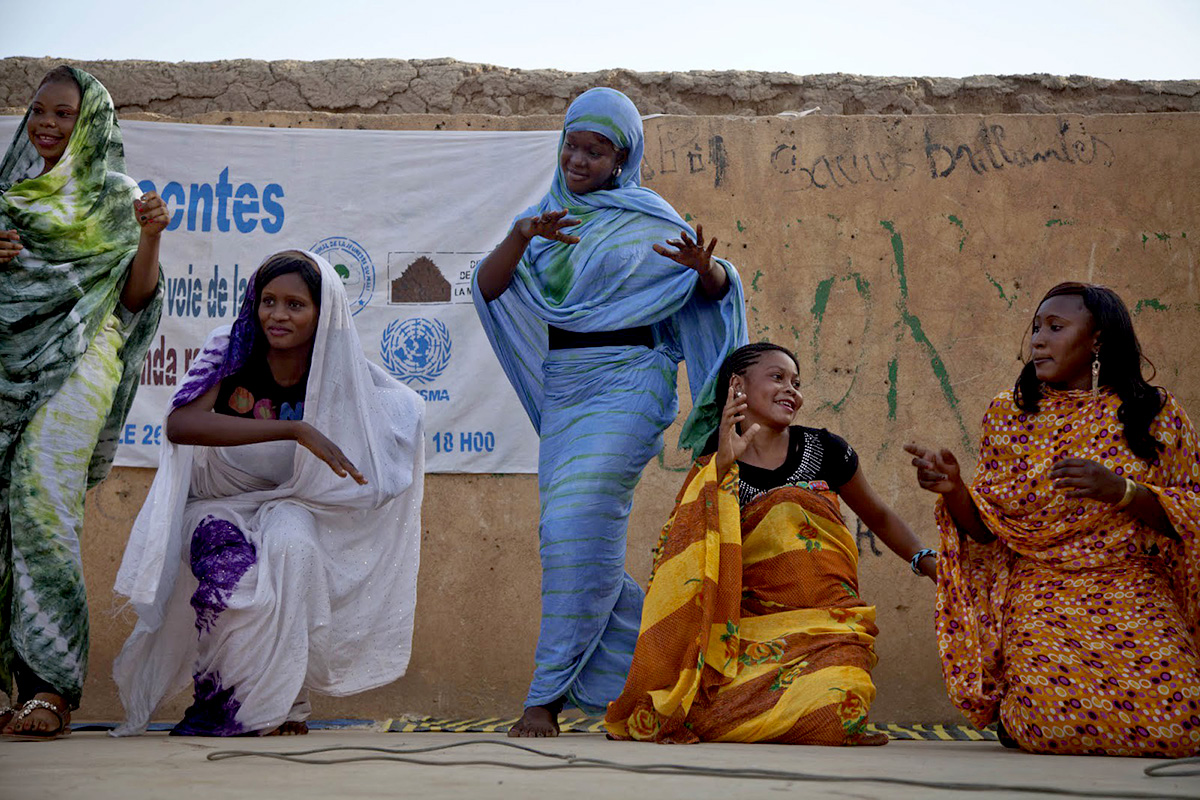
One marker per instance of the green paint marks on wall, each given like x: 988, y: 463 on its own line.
x: 687, y: 217
x: 741, y: 228
x: 1149, y: 302
x: 897, y: 256
x: 862, y: 285
x: 754, y: 283
x: 820, y: 301
x: 893, y: 370
x: 1162, y: 237
x: 834, y: 217
x: 1000, y: 289
x: 965, y: 233
x: 1050, y: 223
x: 913, y: 322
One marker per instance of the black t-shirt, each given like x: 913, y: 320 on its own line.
x: 252, y: 393
x: 815, y: 456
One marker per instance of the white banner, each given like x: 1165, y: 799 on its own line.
x: 402, y: 215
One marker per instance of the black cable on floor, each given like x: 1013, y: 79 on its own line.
x: 571, y: 761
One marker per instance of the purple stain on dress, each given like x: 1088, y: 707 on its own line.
x: 220, y: 556
x: 212, y: 712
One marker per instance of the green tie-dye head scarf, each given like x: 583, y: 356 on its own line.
x: 77, y: 226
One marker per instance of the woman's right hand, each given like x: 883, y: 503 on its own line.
x: 324, y: 449
x: 937, y: 470
x: 548, y: 226
x: 731, y: 444
x: 10, y: 246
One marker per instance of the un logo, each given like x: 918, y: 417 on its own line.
x: 354, y: 266
x: 415, y: 350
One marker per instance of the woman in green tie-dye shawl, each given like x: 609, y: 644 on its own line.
x: 79, y: 303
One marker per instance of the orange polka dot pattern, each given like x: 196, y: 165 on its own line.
x: 1078, y: 625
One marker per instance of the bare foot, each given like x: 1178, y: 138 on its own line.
x: 537, y: 722
x: 299, y: 728
x: 40, y: 722
x: 6, y: 721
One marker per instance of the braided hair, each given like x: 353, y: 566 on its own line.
x: 737, y: 363
x: 1120, y: 367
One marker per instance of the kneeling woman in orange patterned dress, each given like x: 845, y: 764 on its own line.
x: 753, y: 629
x: 1069, y: 587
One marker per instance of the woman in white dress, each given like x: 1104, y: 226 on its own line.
x: 260, y: 569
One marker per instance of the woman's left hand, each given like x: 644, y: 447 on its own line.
x: 693, y: 255
x: 151, y: 214
x: 1078, y: 477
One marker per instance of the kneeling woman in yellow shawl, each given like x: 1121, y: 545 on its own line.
x: 1069, y: 589
x: 753, y: 629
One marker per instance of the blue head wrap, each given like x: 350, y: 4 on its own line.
x: 612, y: 278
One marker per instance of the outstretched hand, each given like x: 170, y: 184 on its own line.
x: 731, y: 444
x: 548, y: 226
x: 321, y: 446
x: 693, y: 255
x: 937, y: 470
x: 10, y: 246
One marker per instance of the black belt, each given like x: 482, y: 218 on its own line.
x: 626, y: 337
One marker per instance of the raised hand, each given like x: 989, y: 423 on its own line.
x: 10, y: 246
x: 151, y: 214
x: 324, y: 449
x: 1078, y: 477
x: 548, y: 226
x: 693, y: 255
x: 937, y: 470
x: 731, y: 444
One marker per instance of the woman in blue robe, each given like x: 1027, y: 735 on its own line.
x: 590, y: 312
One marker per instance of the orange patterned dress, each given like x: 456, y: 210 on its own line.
x: 752, y: 629
x: 1078, y: 625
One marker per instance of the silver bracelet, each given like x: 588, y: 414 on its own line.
x: 917, y: 556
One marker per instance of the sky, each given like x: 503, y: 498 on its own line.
x: 1133, y: 39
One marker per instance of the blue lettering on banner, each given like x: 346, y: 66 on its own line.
x: 214, y: 294
x: 351, y: 262
x: 467, y: 442
x: 433, y: 395
x: 141, y: 434
x: 415, y: 350
x: 202, y: 204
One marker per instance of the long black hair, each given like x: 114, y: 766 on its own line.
x: 736, y: 363
x: 1121, y: 362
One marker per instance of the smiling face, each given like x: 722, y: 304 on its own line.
x: 588, y: 161
x: 52, y: 117
x: 1063, y: 343
x: 772, y: 389
x: 287, y: 313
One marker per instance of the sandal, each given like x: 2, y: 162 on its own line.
x: 27, y: 708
